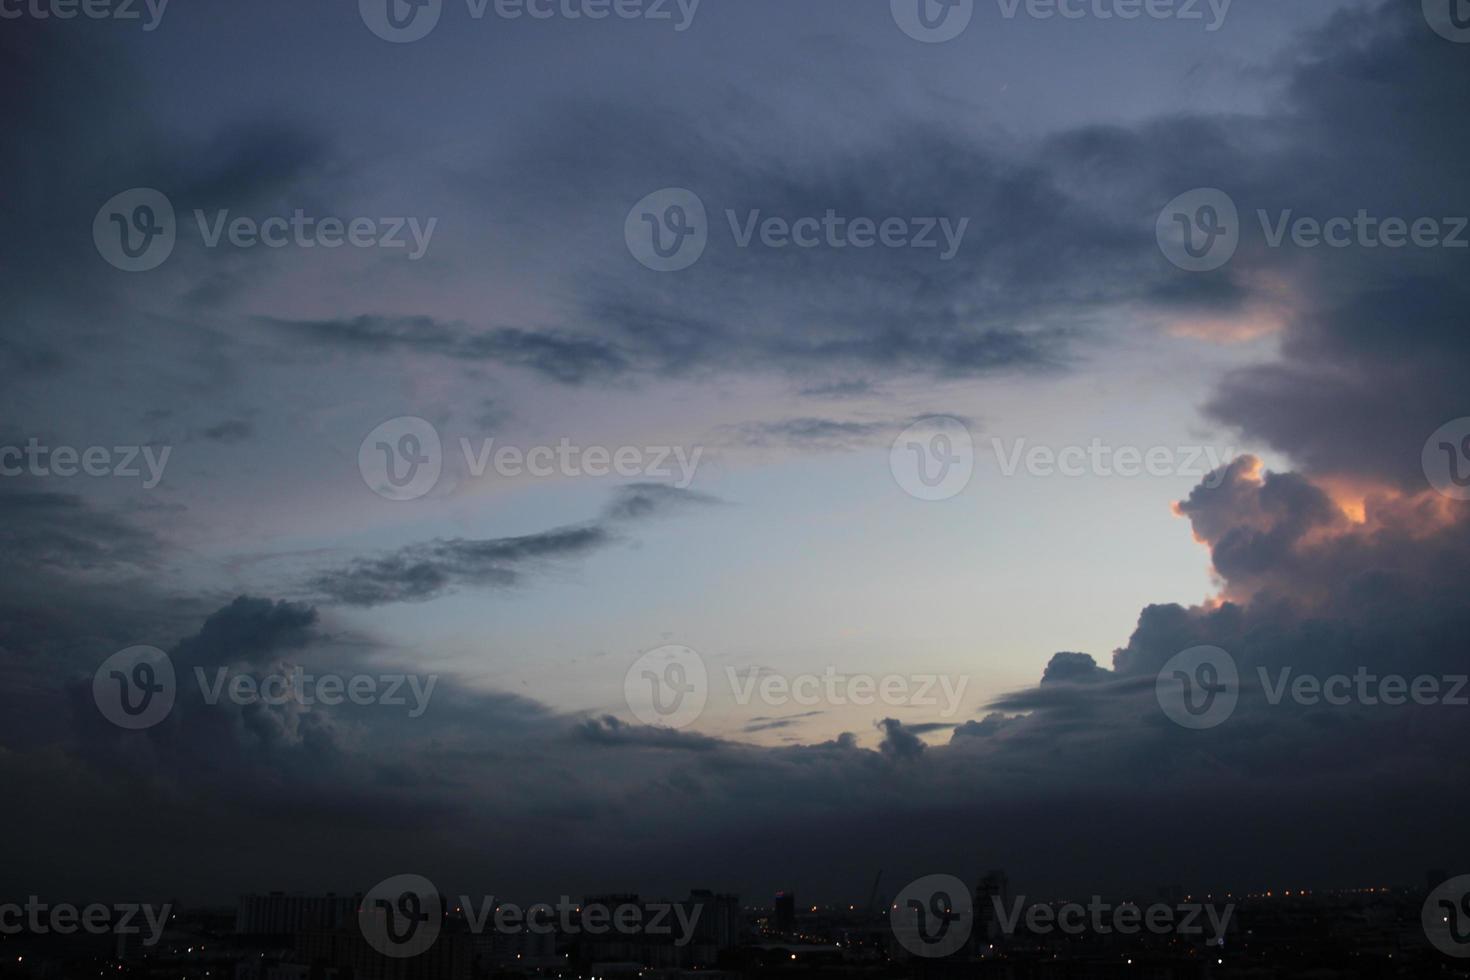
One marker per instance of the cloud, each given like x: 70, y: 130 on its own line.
x: 762, y: 723
x: 810, y: 433
x: 852, y: 388
x: 62, y: 531
x: 610, y: 731
x: 1374, y: 353
x: 556, y: 355
x: 1317, y: 574
x: 230, y: 431
x: 419, y: 572
x: 899, y: 742
x: 249, y: 630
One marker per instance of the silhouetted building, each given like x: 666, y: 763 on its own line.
x: 718, y: 924
x: 451, y: 957
x: 991, y: 894
x: 279, y: 914
x: 785, y: 911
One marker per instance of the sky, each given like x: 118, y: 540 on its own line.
x: 781, y: 406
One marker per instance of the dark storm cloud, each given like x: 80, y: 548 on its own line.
x: 1083, y: 733
x: 987, y: 727
x: 899, y: 742
x: 74, y: 100
x: 1375, y: 360
x: 250, y: 163
x: 62, y: 531
x: 610, y: 731
x: 249, y: 629
x: 1060, y: 237
x: 420, y: 572
x: 501, y: 788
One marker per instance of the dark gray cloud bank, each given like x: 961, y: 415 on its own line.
x: 1078, y: 782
